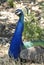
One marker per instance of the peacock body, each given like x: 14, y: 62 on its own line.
x: 16, y: 43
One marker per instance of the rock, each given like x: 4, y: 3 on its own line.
x: 2, y: 27
x: 3, y: 18
x: 35, y: 8
x: 34, y: 54
x: 2, y: 41
x: 1, y: 7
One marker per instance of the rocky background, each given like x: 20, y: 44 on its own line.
x: 8, y: 21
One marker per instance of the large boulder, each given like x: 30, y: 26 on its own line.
x: 34, y: 54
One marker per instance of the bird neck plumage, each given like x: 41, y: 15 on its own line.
x: 16, y: 42
x: 19, y: 28
x: 21, y: 18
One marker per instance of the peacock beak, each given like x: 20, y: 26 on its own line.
x: 17, y: 13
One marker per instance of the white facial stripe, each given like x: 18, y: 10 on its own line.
x: 18, y: 12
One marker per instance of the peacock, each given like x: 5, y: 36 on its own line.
x: 17, y: 46
x: 16, y: 43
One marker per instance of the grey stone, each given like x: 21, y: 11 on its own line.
x: 34, y: 54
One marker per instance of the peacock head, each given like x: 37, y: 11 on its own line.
x: 19, y: 12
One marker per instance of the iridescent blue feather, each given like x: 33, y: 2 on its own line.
x: 16, y: 42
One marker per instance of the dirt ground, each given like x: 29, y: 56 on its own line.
x: 5, y: 60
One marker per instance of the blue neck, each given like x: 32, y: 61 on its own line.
x: 21, y: 18
x: 19, y: 28
x: 16, y: 42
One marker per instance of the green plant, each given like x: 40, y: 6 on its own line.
x: 10, y: 2
x: 41, y: 6
x: 32, y: 30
